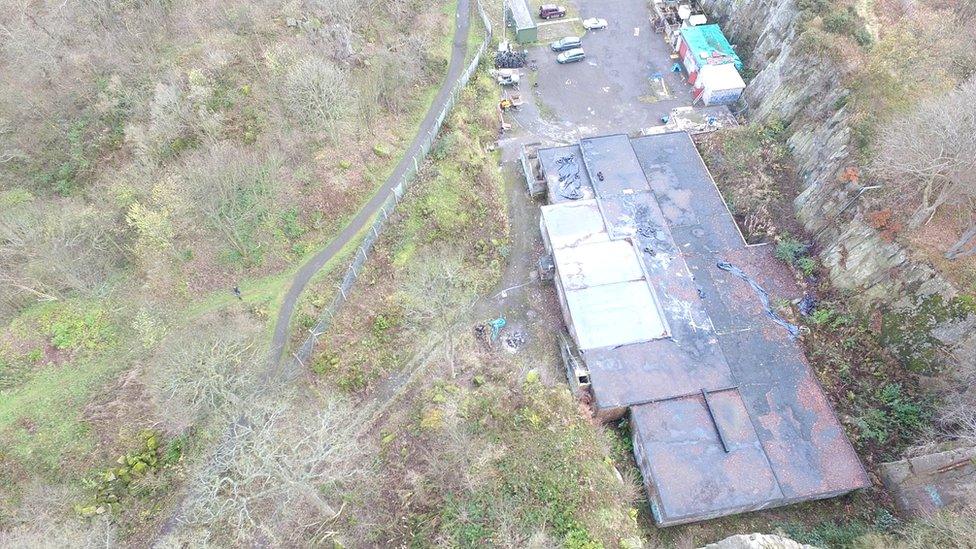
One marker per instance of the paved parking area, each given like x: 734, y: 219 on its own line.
x: 611, y: 90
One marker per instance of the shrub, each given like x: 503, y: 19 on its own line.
x: 75, y: 328
x: 317, y: 95
x: 806, y: 265
x: 789, y: 250
x: 826, y: 534
x: 112, y: 485
x: 894, y: 416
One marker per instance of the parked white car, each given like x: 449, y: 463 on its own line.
x: 594, y: 23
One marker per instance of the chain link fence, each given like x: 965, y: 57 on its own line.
x: 304, y: 353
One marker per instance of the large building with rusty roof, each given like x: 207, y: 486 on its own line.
x: 663, y: 301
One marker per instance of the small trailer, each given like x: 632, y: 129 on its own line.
x: 506, y: 77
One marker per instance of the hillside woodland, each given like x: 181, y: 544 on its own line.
x: 157, y: 155
x: 154, y: 155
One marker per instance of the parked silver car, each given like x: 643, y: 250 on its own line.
x: 567, y: 43
x: 570, y: 56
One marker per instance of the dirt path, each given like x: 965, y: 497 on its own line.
x: 305, y: 273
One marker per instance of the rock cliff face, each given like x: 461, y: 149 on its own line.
x: 804, y: 88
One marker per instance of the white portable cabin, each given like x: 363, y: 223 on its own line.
x: 718, y: 84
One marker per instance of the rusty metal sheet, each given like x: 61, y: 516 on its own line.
x: 701, y: 459
x: 655, y: 370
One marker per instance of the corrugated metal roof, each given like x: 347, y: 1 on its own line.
x: 574, y: 223
x: 706, y: 41
x: 615, y: 314
x: 609, y: 300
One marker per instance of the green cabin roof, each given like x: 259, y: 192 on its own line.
x: 708, y: 39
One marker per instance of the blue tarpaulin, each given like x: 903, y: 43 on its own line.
x: 707, y: 41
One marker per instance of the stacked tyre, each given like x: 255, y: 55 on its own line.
x: 510, y: 60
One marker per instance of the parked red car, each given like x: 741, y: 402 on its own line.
x: 551, y: 11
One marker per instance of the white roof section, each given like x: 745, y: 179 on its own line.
x: 720, y: 77
x: 608, y: 298
x: 615, y: 314
x: 574, y: 223
x: 596, y: 264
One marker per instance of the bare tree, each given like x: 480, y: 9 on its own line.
x: 49, y: 249
x: 316, y: 94
x: 965, y: 246
x: 279, y: 477
x: 204, y: 375
x: 8, y: 152
x: 233, y: 190
x: 38, y: 522
x: 435, y: 291
x: 930, y: 156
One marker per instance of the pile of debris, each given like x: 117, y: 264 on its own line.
x: 570, y: 185
x: 510, y: 60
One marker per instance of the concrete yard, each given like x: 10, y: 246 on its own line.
x: 726, y: 414
x: 613, y: 89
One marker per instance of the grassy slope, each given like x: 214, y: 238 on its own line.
x: 479, y: 448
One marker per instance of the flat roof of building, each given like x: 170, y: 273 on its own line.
x: 608, y: 299
x: 703, y: 457
x: 567, y: 179
x: 726, y: 412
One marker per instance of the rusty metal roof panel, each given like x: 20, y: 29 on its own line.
x: 701, y: 458
x: 655, y: 370
x: 805, y: 443
x: 802, y: 437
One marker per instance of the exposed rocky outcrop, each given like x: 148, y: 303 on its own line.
x: 757, y: 541
x: 802, y: 86
x: 923, y: 485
